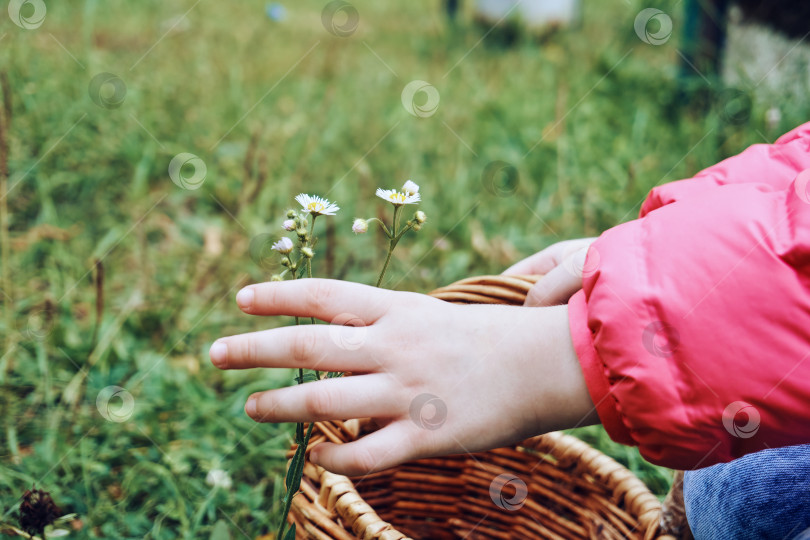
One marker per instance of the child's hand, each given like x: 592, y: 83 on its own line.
x: 562, y: 264
x: 439, y: 378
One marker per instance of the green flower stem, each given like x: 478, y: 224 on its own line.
x: 288, y: 498
x: 309, y: 273
x: 312, y: 241
x: 405, y: 229
x: 302, y: 439
x: 299, y: 428
x: 385, y: 266
x: 384, y: 228
x: 397, y: 212
x: 392, y: 243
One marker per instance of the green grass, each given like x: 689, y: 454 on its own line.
x: 591, y: 119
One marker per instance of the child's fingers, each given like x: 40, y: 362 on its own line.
x: 560, y: 284
x: 329, y: 399
x: 539, y: 263
x: 376, y: 451
x: 326, y: 348
x: 325, y: 299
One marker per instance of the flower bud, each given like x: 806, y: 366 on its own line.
x: 283, y: 246
x: 288, y: 225
x: 276, y: 277
x: 410, y: 188
x: 307, y: 252
x: 290, y: 213
x: 359, y: 226
x: 420, y: 217
x: 417, y: 227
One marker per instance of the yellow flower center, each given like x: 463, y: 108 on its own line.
x: 315, y: 206
x: 397, y: 197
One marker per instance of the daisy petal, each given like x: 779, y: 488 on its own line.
x: 397, y: 198
x: 317, y: 206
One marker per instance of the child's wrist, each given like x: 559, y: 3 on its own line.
x: 562, y: 400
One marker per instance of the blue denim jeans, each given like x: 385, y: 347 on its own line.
x: 758, y: 496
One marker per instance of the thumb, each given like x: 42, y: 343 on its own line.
x: 544, y: 261
x: 560, y: 284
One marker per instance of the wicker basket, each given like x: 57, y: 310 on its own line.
x: 571, y: 489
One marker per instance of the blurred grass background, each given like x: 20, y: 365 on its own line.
x: 591, y: 118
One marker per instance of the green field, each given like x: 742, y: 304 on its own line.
x: 589, y: 118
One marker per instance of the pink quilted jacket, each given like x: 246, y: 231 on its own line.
x: 693, y: 325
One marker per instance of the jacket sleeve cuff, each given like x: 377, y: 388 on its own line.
x: 594, y: 371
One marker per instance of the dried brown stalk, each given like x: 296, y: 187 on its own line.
x: 5, y: 278
x: 99, y: 282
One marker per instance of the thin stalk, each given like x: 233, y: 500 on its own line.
x: 309, y: 272
x: 301, y: 438
x: 397, y: 212
x: 312, y: 241
x: 404, y: 230
x: 384, y: 228
x: 99, y: 282
x: 288, y: 502
x: 392, y: 243
x: 5, y: 278
x: 385, y: 265
x: 299, y: 428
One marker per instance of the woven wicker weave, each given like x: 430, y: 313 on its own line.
x: 574, y: 491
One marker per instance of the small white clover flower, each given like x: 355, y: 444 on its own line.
x: 288, y: 225
x: 420, y: 217
x: 359, y: 226
x: 317, y: 206
x: 397, y: 198
x: 217, y: 478
x: 283, y: 246
x: 410, y: 188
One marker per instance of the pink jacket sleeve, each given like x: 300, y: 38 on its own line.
x: 693, y: 325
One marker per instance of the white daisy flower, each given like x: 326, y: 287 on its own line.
x: 397, y: 198
x: 359, y: 226
x: 288, y: 225
x: 317, y: 206
x: 284, y: 245
x: 410, y: 187
x: 218, y: 478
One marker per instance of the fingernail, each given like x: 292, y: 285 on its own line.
x: 218, y: 353
x: 244, y: 298
x: 250, y: 407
